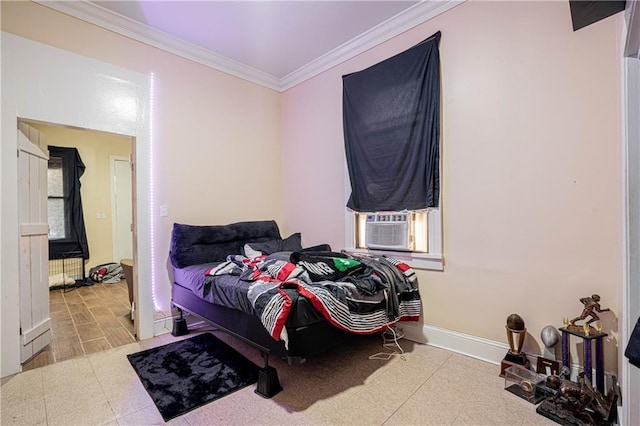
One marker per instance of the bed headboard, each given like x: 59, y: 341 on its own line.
x: 197, y: 244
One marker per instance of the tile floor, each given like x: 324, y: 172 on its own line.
x: 428, y: 386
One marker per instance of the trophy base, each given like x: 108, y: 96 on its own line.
x: 565, y: 417
x: 513, y: 359
x: 580, y: 329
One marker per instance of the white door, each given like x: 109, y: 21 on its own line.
x: 122, y: 208
x: 35, y: 320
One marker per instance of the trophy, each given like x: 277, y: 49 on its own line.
x: 516, y: 332
x: 547, y: 363
x: 590, y: 311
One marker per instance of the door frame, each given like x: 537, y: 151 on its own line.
x: 630, y: 376
x: 112, y: 161
x: 36, y: 81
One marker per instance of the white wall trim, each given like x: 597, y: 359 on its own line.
x: 475, y: 347
x: 629, y: 375
x: 35, y: 81
x: 465, y: 344
x: 388, y: 29
x: 432, y: 262
x: 163, y: 325
x: 105, y: 18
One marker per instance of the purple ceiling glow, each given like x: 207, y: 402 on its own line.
x: 276, y: 37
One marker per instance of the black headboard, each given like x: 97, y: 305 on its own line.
x: 197, y: 244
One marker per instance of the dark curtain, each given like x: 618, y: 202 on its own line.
x: 391, y: 114
x: 633, y: 347
x: 76, y: 238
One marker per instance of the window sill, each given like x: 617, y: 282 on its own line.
x: 426, y: 261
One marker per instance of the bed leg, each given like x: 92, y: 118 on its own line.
x: 268, y: 383
x: 179, y: 326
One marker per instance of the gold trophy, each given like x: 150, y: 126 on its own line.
x: 516, y: 332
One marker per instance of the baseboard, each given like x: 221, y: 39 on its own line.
x: 165, y: 325
x: 476, y: 347
x: 465, y: 344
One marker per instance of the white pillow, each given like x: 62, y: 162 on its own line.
x: 251, y: 253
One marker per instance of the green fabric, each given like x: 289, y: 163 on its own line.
x: 342, y: 264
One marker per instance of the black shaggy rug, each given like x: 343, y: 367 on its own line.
x: 189, y: 373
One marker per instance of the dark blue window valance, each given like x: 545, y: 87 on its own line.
x: 391, y: 114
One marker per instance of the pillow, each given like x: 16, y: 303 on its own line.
x: 291, y: 243
x: 280, y: 255
x: 251, y: 253
x: 319, y: 247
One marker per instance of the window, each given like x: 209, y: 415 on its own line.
x: 391, y: 118
x: 58, y: 223
x: 67, y: 233
x: 427, y: 234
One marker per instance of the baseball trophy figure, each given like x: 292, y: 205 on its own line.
x: 516, y: 332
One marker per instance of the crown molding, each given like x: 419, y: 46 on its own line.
x: 403, y: 21
x: 105, y: 18
x: 127, y: 27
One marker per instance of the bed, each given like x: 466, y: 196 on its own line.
x: 287, y: 301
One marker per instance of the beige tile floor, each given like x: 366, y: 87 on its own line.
x: 428, y: 386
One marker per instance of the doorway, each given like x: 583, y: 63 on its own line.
x: 52, y: 85
x: 87, y: 316
x: 121, y: 207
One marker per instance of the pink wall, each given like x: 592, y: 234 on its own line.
x: 531, y: 177
x: 531, y: 161
x: 209, y: 129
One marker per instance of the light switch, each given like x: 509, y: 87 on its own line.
x: 164, y: 211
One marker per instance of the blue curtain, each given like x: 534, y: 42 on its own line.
x: 391, y: 119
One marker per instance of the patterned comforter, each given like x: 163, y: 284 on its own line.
x: 361, y: 294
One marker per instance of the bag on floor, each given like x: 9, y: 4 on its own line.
x: 106, y: 273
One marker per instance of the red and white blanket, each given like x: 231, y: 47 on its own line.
x: 361, y: 295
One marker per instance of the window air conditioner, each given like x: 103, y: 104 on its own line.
x: 389, y: 231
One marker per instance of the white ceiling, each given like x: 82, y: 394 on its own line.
x: 274, y: 43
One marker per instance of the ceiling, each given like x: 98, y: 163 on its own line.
x: 274, y: 43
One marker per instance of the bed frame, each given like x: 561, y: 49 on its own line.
x: 203, y: 244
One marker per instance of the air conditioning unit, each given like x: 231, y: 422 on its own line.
x: 389, y: 231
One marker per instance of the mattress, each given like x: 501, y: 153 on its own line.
x: 231, y: 292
